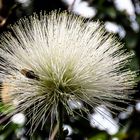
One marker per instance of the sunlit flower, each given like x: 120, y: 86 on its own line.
x: 60, y: 58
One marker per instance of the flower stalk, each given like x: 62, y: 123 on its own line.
x: 60, y: 121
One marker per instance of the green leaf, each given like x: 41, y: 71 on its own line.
x: 100, y: 136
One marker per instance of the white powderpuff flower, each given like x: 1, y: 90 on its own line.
x: 60, y: 58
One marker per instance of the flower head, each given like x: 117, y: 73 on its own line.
x: 58, y: 57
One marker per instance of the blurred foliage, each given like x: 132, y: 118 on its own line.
x: 12, y: 10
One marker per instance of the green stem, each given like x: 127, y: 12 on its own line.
x: 60, y: 121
